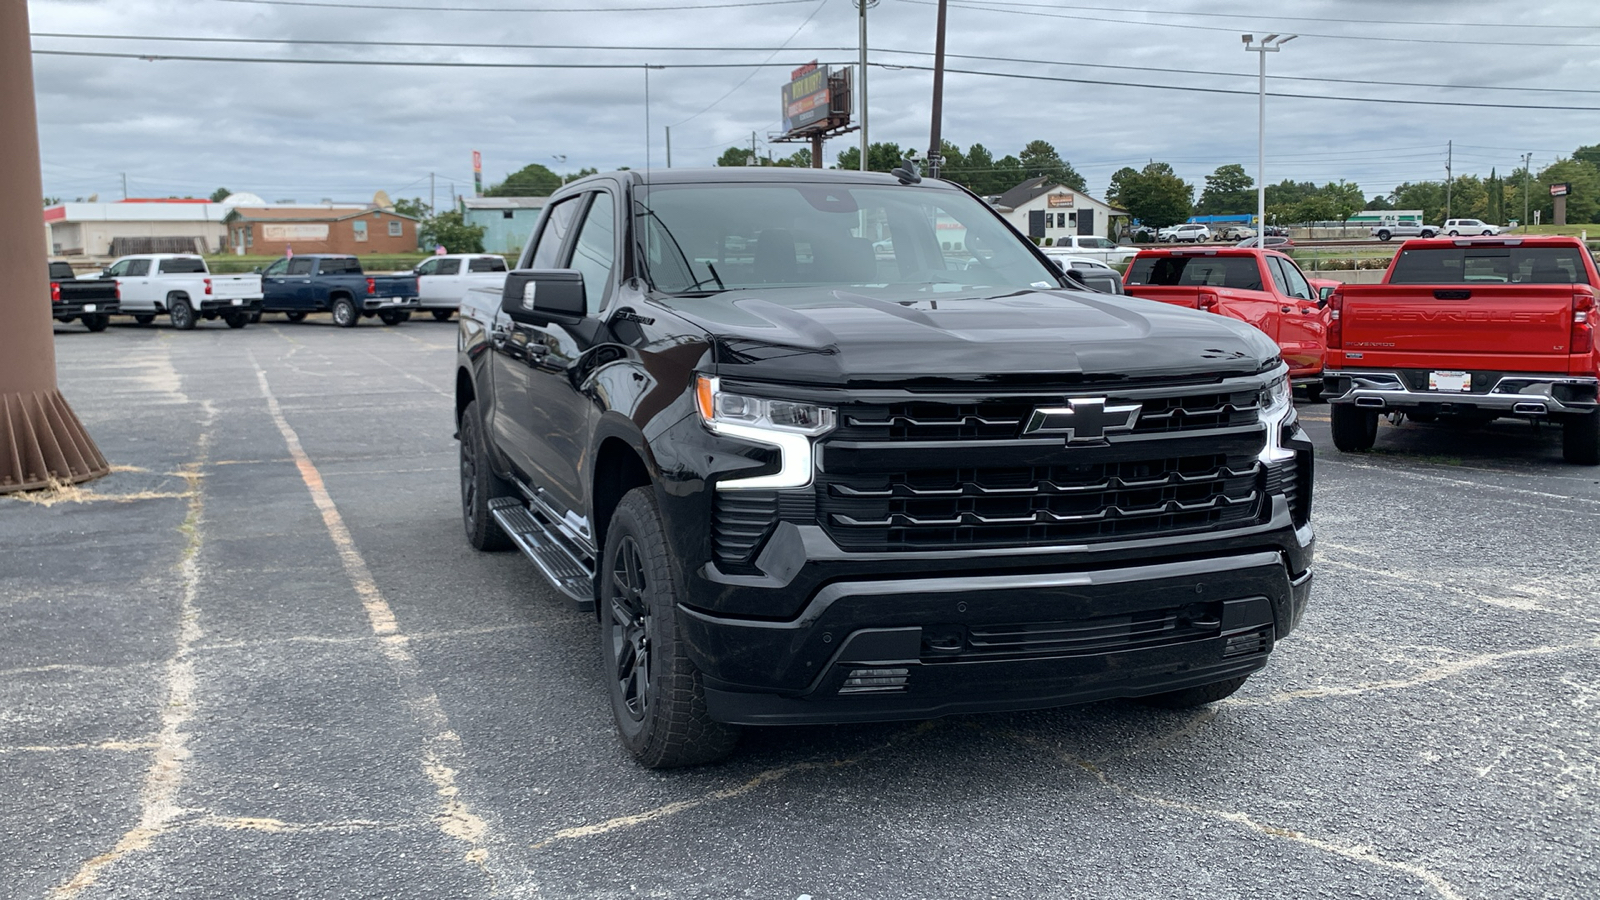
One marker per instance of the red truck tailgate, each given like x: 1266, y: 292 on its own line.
x: 1522, y: 327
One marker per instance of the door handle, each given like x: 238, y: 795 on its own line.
x: 1283, y: 309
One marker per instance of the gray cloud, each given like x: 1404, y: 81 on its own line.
x: 308, y: 132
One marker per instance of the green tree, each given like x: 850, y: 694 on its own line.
x: 978, y: 168
x: 1229, y: 191
x: 451, y: 230
x: 220, y: 194
x: 1589, y: 154
x: 414, y: 208
x: 532, y: 180
x: 1040, y: 158
x: 1427, y: 196
x: 1120, y: 181
x: 1379, y: 201
x: 882, y: 156
x: 1496, y: 189
x: 800, y: 159
x: 52, y: 201
x: 1154, y: 195
x: 1345, y: 199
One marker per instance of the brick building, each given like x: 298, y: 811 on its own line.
x: 271, y: 231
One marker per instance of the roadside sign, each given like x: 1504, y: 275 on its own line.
x: 477, y: 173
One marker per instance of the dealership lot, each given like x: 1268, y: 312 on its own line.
x: 260, y: 660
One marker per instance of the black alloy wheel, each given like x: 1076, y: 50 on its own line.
x: 630, y: 632
x: 182, y: 315
x: 479, y: 485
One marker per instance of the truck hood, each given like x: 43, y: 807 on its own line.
x: 842, y: 337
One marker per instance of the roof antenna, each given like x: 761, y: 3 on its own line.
x: 907, y: 171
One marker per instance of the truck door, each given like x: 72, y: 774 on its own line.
x: 136, y: 286
x: 275, y: 294
x: 559, y: 419
x: 445, y: 287
x: 297, y: 288
x: 511, y: 417
x: 1302, y: 335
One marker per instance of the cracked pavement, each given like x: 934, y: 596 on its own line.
x: 259, y: 659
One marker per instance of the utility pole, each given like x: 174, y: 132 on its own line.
x: 669, y: 146
x: 935, y: 139
x: 431, y: 193
x: 1527, y: 170
x: 1449, y: 176
x: 753, y: 160
x: 863, y: 4
x: 124, y: 185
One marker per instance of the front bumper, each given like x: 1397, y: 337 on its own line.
x: 921, y: 647
x: 1502, y: 393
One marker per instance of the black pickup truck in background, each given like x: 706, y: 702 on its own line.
x: 826, y: 447
x: 300, y: 285
x: 92, y: 302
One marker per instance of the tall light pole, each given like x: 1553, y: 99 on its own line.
x: 862, y: 5
x: 1527, y: 172
x: 561, y: 158
x: 936, y: 140
x: 1272, y: 43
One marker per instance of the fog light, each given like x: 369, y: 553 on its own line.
x: 879, y: 681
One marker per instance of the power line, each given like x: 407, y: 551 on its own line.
x: 662, y: 48
x: 1255, y: 17
x: 149, y: 57
x: 403, y: 63
x: 1192, y: 27
x: 327, y: 4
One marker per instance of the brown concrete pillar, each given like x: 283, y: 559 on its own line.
x: 41, y: 440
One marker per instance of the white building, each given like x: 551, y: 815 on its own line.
x: 136, y: 226
x: 1041, y: 209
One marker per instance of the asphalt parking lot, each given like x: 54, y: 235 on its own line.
x: 260, y: 660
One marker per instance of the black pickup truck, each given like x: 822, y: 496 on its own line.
x: 826, y: 447
x: 93, y: 302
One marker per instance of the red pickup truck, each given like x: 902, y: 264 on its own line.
x: 1471, y: 330
x: 1262, y: 287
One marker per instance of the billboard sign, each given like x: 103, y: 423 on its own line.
x: 1560, y: 190
x: 805, y: 98
x: 1059, y: 201
x: 295, y: 232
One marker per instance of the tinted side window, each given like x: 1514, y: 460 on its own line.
x: 1275, y: 269
x: 596, y: 250
x: 487, y: 264
x: 429, y: 267
x: 277, y: 268
x: 138, y: 267
x: 547, y: 252
x: 1298, y: 285
x: 183, y: 266
x: 299, y: 267
x: 339, y: 265
x: 448, y: 267
x: 120, y: 268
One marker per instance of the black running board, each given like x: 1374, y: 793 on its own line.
x: 564, y: 567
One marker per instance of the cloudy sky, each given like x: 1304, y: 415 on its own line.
x: 308, y: 132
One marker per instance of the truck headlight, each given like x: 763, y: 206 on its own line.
x: 788, y: 425
x: 1276, y: 404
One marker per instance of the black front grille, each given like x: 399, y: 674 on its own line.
x: 1034, y: 505
x: 1004, y: 419
x: 1152, y: 628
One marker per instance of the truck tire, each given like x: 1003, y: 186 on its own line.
x: 479, y: 485
x: 181, y: 313
x: 657, y: 695
x: 345, y: 314
x: 255, y: 317
x: 236, y: 319
x: 1314, y: 392
x: 1383, y: 235
x: 1355, y: 430
x: 1580, y: 440
x: 96, y: 322
x: 443, y: 315
x: 391, y: 317
x: 144, y: 318
x: 1196, y: 696
x: 1428, y: 233
x: 295, y: 316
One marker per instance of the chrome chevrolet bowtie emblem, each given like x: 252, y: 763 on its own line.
x: 1083, y: 420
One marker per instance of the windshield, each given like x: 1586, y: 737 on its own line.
x: 706, y: 238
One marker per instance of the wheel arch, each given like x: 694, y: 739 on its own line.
x: 466, y: 392
x: 620, y: 465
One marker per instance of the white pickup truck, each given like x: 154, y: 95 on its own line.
x: 443, y: 280
x: 181, y: 286
x: 1093, y: 247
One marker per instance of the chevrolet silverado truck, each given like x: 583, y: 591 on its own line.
x: 443, y: 280
x: 803, y: 479
x: 182, y: 287
x: 91, y: 302
x: 1262, y: 287
x: 1470, y: 330
x: 300, y: 285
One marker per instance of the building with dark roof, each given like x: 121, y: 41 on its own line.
x: 1040, y: 208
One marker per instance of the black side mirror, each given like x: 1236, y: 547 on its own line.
x: 256, y: 270
x: 535, y: 295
